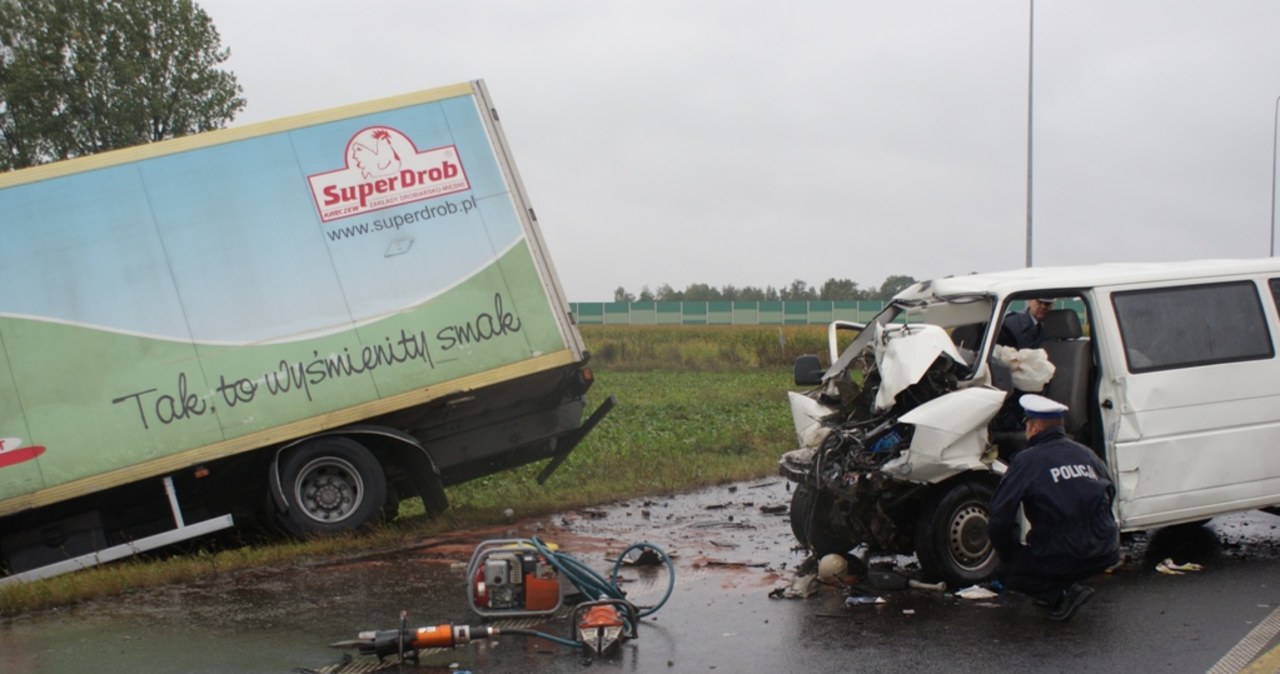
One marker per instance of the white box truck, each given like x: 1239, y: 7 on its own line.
x: 316, y: 316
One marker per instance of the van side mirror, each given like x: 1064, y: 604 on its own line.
x: 809, y: 370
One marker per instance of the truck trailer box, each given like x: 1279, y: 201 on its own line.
x: 324, y: 313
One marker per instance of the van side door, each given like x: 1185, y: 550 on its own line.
x: 1190, y: 398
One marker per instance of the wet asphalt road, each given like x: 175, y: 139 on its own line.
x: 731, y: 551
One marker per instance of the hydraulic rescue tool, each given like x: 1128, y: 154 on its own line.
x: 522, y: 578
x: 510, y: 577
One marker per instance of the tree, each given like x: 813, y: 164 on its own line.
x: 798, y: 291
x: 893, y: 285
x: 665, y: 293
x: 84, y: 76
x: 840, y: 289
x: 701, y: 292
x: 621, y: 295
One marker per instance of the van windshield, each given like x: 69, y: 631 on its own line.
x: 969, y: 314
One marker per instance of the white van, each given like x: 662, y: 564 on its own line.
x: 1169, y: 370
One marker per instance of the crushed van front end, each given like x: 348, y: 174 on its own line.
x: 900, y: 462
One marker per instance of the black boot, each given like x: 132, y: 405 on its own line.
x: 1072, y: 599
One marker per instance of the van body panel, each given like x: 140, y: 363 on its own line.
x: 949, y: 435
x: 1187, y: 442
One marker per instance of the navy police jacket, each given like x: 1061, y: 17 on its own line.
x: 1066, y: 494
x: 1021, y: 331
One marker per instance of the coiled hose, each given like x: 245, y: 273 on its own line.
x: 594, y: 585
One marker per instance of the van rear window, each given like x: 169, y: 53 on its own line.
x: 1188, y: 326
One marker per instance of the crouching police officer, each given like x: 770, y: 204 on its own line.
x: 1065, y: 493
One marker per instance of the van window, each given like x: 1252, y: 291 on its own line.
x: 1167, y: 328
x: 1275, y: 291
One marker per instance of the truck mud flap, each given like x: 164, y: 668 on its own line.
x: 566, y: 443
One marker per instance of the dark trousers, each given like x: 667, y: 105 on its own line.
x: 1024, y: 574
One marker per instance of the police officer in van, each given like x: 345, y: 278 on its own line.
x: 1025, y: 329
x: 1065, y: 493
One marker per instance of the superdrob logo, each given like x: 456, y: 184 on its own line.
x: 383, y: 168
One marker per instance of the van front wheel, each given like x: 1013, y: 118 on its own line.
x: 811, y: 522
x: 952, y: 544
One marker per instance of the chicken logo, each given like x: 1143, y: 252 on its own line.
x: 12, y: 452
x: 378, y: 161
x: 383, y: 168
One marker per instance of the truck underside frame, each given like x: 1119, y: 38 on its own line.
x: 181, y: 532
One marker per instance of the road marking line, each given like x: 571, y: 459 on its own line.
x: 1238, y: 658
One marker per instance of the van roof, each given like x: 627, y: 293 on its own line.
x: 1054, y: 278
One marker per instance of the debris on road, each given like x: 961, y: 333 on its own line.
x: 739, y: 565
x: 886, y: 580
x: 976, y: 593
x: 647, y: 557
x: 1169, y: 567
x: 832, y: 566
x: 720, y: 525
x: 802, y: 586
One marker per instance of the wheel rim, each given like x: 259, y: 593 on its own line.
x: 968, y: 541
x: 328, y: 489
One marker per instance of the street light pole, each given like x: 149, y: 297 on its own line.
x: 1275, y: 139
x: 1031, y: 52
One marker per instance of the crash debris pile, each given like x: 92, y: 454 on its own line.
x: 833, y: 571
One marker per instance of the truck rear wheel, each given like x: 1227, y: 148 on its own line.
x: 952, y: 544
x: 332, y: 485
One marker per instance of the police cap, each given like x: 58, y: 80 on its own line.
x: 1040, y: 407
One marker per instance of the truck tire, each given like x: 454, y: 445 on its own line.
x: 332, y: 485
x: 951, y: 537
x: 810, y: 522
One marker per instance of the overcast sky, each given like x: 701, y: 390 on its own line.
x: 748, y: 143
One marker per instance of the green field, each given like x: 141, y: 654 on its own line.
x: 696, y: 406
x: 670, y: 431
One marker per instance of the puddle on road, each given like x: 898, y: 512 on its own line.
x: 736, y: 535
